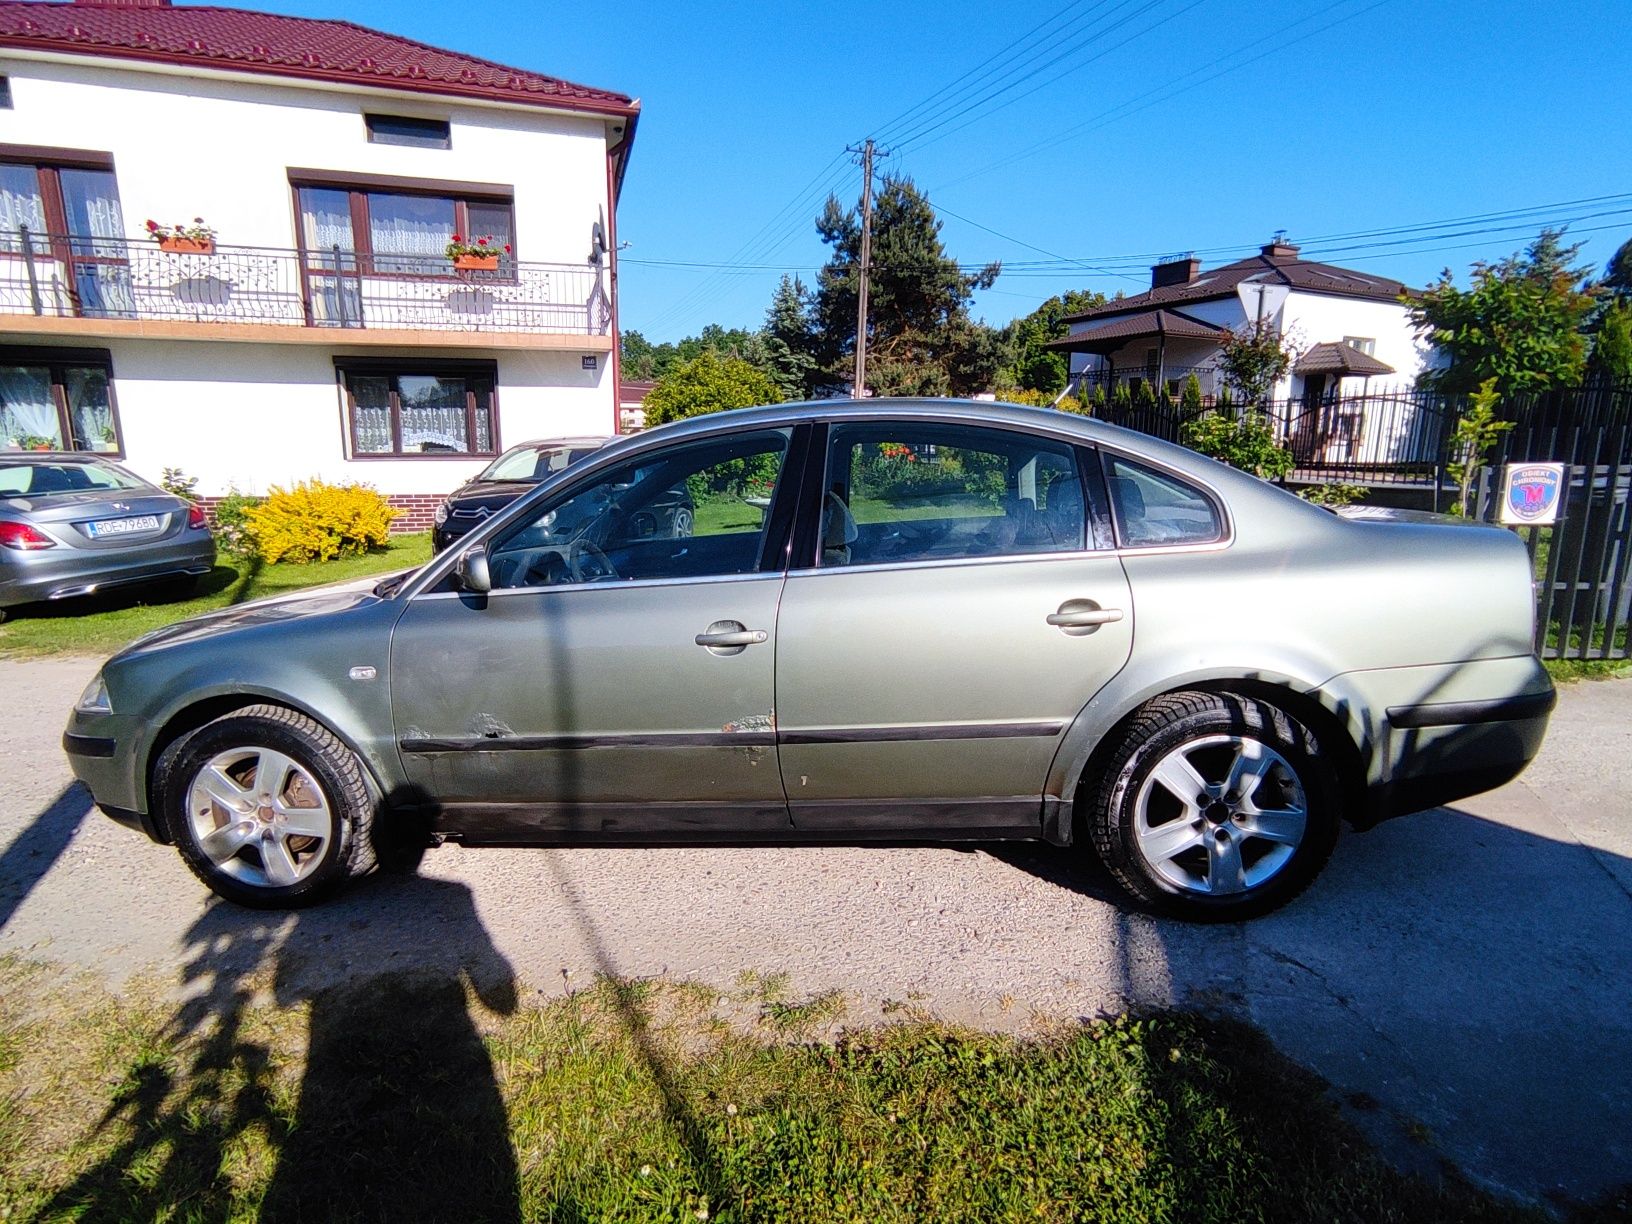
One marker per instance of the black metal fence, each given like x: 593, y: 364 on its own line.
x: 117, y: 278
x: 1394, y: 436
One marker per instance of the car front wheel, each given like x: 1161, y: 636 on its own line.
x: 267, y: 807
x: 1214, y: 807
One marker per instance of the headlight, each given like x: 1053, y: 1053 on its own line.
x: 94, y: 700
x: 441, y: 515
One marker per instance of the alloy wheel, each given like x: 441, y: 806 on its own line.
x: 259, y: 816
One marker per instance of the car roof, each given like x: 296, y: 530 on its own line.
x: 54, y: 457
x: 587, y: 441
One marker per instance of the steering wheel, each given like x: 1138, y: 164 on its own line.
x: 588, y: 563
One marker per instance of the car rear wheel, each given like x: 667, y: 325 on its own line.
x: 267, y: 807
x: 1214, y: 807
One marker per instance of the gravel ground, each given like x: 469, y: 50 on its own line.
x: 1462, y: 976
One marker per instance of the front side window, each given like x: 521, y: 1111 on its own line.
x: 932, y: 492
x: 414, y: 410
x: 1154, y: 508
x: 693, y: 511
x: 57, y: 402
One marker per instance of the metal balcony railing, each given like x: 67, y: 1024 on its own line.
x: 117, y: 278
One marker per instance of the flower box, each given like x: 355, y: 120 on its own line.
x: 188, y: 246
x: 476, y: 263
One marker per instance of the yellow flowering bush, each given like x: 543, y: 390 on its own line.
x: 314, y: 521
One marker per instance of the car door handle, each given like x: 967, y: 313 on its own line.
x: 730, y: 635
x: 1083, y: 614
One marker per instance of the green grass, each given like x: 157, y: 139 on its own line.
x: 418, y: 1097
x: 102, y: 624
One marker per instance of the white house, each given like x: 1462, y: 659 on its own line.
x: 1349, y: 328
x: 326, y: 331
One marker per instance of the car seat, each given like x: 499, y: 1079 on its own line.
x: 838, y: 531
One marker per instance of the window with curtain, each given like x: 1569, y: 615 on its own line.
x: 76, y: 229
x: 397, y: 233
x: 57, y: 399
x: 415, y: 408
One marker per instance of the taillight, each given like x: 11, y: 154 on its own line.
x: 22, y: 536
x: 196, y: 516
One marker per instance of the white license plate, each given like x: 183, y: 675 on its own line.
x: 124, y: 526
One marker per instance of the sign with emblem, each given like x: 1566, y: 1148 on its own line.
x: 1531, y: 492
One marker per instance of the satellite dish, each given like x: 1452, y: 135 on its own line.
x: 597, y: 241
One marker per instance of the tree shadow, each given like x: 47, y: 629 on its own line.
x: 35, y: 850
x: 398, y: 1114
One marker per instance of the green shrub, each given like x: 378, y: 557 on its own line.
x: 232, y: 523
x: 177, y: 482
x: 314, y: 521
x: 1334, y: 493
x: 1245, y: 441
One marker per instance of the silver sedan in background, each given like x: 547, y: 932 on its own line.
x: 890, y: 619
x: 80, y: 524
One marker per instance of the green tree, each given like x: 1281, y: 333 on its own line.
x: 637, y: 357
x: 920, y: 337
x: 1253, y: 358
x: 1612, y: 344
x: 1519, y: 322
x: 790, y: 343
x: 1032, y: 366
x: 1477, y: 430
x: 1617, y: 282
x: 708, y: 383
x: 1190, y: 405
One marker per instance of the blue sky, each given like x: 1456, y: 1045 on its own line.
x: 1361, y: 115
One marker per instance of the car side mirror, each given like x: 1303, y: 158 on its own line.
x: 473, y: 572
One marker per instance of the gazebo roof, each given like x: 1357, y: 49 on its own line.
x: 1114, y: 333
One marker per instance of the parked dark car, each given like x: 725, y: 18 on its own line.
x: 78, y: 524
x: 519, y: 469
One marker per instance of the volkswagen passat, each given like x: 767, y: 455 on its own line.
x: 75, y: 524
x: 919, y: 619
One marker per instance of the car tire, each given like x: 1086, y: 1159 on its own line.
x: 288, y: 843
x: 1235, y: 848
x: 684, y: 521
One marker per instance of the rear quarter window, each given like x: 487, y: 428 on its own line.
x: 1155, y: 508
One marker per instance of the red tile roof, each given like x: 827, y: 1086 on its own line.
x: 319, y: 50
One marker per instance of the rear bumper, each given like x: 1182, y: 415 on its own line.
x: 62, y: 573
x: 1447, y: 732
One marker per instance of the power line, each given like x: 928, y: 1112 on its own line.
x: 1166, y: 91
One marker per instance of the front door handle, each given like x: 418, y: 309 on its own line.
x: 1082, y: 616
x: 730, y: 637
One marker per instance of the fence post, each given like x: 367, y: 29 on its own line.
x: 28, y: 263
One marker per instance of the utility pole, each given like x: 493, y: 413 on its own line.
x: 866, y: 152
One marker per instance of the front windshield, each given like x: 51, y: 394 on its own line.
x: 534, y: 463
x: 49, y: 479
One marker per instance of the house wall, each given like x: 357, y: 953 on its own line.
x: 200, y: 145
x: 247, y: 414
x: 275, y: 415
x: 1311, y: 319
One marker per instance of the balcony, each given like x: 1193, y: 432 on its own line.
x: 50, y: 284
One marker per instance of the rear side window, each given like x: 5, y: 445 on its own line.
x: 1155, y: 508
x: 926, y: 491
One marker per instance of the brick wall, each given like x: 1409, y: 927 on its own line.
x: 414, y: 510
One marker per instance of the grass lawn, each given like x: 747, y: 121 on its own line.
x: 102, y: 624
x: 421, y: 1098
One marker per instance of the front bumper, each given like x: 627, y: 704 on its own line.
x: 59, y: 573
x: 93, y: 747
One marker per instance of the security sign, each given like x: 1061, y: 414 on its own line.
x: 1531, y: 492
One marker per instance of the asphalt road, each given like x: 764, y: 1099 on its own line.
x: 1463, y: 976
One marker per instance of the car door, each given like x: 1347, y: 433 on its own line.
x: 954, y: 621
x: 618, y: 676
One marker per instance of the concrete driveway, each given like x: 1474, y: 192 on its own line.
x: 1464, y: 976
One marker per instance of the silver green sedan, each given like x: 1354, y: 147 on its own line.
x: 924, y: 619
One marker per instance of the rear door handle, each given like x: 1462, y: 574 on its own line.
x: 730, y: 637
x: 1083, y: 615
